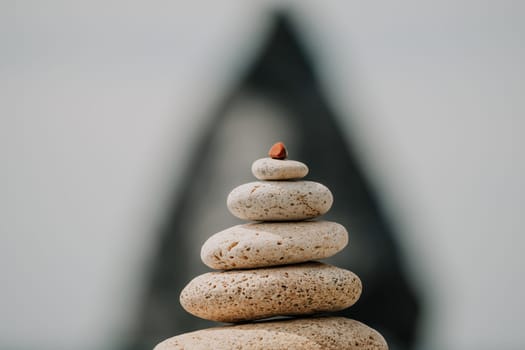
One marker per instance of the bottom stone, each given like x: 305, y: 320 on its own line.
x: 335, y: 333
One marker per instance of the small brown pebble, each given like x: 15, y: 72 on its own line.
x: 278, y: 151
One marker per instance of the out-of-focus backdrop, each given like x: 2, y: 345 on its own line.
x: 102, y: 104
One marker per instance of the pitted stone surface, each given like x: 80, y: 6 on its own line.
x: 240, y: 295
x: 277, y: 169
x: 279, y: 200
x: 276, y: 243
x: 328, y: 333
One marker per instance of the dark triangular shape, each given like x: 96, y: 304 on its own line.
x: 279, y: 97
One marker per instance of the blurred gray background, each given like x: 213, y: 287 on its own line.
x: 101, y: 104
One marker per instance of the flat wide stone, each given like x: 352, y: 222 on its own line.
x: 241, y: 295
x: 277, y: 169
x: 277, y: 243
x: 321, y: 333
x: 279, y: 200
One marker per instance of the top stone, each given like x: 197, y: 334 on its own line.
x: 277, y: 169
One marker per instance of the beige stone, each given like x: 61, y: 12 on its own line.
x: 321, y: 333
x: 277, y: 169
x: 240, y: 295
x: 276, y: 243
x: 279, y: 200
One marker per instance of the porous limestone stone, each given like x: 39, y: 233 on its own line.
x: 241, y: 295
x: 279, y: 200
x: 273, y: 243
x: 277, y: 169
x: 320, y: 333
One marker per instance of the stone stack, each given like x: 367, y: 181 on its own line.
x: 268, y: 270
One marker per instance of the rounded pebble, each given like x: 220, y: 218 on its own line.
x: 331, y: 333
x: 278, y: 243
x: 279, y: 200
x: 241, y: 295
x: 276, y: 169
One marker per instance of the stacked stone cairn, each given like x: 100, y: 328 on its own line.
x: 268, y: 270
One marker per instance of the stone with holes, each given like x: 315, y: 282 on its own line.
x: 241, y: 295
x: 273, y: 243
x: 320, y: 333
x: 279, y: 200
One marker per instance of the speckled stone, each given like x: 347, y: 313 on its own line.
x: 240, y: 295
x: 328, y: 333
x: 277, y: 243
x: 277, y: 169
x: 279, y: 200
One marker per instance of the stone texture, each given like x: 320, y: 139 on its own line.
x: 276, y: 169
x: 278, y: 243
x: 240, y: 295
x: 328, y: 333
x: 279, y: 200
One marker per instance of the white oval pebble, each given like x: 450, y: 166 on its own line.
x: 279, y: 200
x: 278, y: 243
x: 277, y: 169
x: 242, y: 295
x: 332, y: 333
